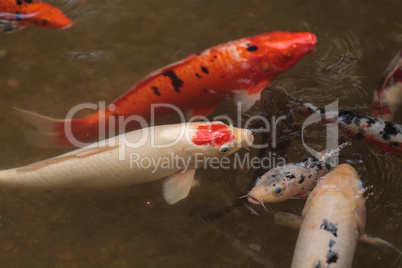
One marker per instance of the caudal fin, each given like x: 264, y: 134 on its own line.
x: 48, y: 132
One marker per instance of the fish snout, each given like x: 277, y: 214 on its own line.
x: 254, y: 196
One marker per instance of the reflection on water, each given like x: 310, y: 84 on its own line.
x: 114, y: 44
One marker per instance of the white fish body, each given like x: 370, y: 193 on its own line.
x: 333, y: 218
x: 117, y: 162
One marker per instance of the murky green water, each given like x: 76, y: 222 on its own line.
x: 112, y: 45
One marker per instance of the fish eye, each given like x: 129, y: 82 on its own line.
x: 277, y: 190
x: 258, y: 179
x: 224, y: 149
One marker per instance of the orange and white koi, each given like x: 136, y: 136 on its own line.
x: 32, y: 12
x: 169, y: 151
x: 197, y: 84
x: 388, y: 95
x: 333, y: 220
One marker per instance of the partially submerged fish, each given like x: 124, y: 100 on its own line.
x: 385, y: 136
x: 34, y: 12
x: 146, y: 155
x: 388, y: 95
x: 293, y: 180
x: 333, y: 220
x: 276, y: 113
x: 197, y: 84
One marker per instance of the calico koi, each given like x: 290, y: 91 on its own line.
x: 384, y: 135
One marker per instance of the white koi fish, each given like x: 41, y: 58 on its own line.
x: 333, y: 220
x: 146, y: 155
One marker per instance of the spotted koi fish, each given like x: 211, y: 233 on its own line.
x: 385, y: 136
x: 332, y: 222
x: 293, y: 180
x: 197, y: 84
x: 34, y: 12
x: 117, y: 161
x: 388, y: 95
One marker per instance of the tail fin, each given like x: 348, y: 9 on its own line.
x: 47, y: 132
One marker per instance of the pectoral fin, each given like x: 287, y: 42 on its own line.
x: 247, y: 97
x: 51, y: 161
x: 288, y: 220
x: 203, y: 111
x: 376, y: 241
x: 178, y: 185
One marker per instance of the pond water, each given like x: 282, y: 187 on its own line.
x: 114, y: 44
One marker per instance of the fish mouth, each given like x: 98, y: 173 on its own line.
x: 254, y: 200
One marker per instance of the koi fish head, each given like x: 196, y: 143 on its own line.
x: 277, y: 51
x: 45, y: 15
x: 219, y: 139
x: 341, y: 181
x: 272, y: 187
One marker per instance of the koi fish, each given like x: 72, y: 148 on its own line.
x: 293, y: 180
x: 34, y: 12
x: 197, y: 84
x: 332, y: 222
x: 385, y: 136
x: 169, y: 151
x: 276, y: 109
x: 388, y: 95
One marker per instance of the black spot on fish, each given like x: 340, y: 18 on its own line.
x: 115, y: 116
x: 18, y: 16
x: 28, y: 1
x: 273, y: 184
x: 309, y: 176
x: 198, y: 53
x: 252, y: 48
x: 198, y: 76
x: 19, y: 2
x: 156, y: 91
x: 359, y: 136
x: 205, y: 90
x: 370, y: 121
x: 327, y: 166
x: 332, y: 256
x: 319, y: 166
x: 204, y: 70
x: 346, y: 117
x: 290, y: 176
x: 317, y: 264
x: 389, y: 130
x: 176, y: 81
x: 329, y: 226
x: 44, y: 22
x: 331, y: 243
x: 301, y: 179
x: 215, y: 57
x: 212, y: 60
x: 222, y: 76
